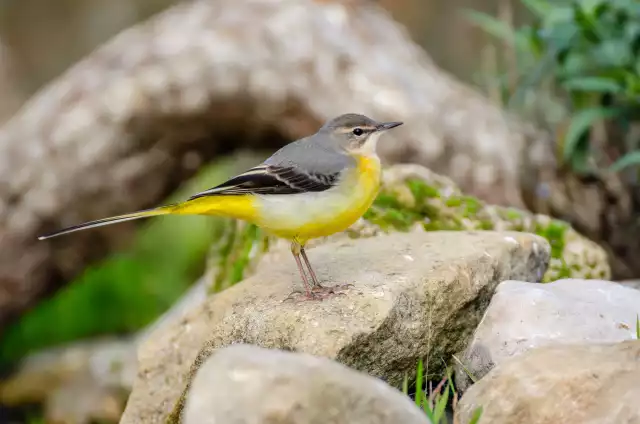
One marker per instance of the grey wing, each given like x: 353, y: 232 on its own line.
x: 298, y: 167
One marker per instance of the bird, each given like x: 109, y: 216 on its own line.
x: 313, y: 187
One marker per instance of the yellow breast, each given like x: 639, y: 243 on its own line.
x: 311, y: 215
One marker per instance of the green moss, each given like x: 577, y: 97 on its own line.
x: 222, y: 250
x: 459, y: 212
x: 512, y: 214
x: 486, y: 224
x: 386, y: 200
x: 238, y: 244
x: 471, y: 205
x: 250, y: 238
x: 558, y: 272
x: 453, y: 201
x: 554, y: 232
x: 421, y: 190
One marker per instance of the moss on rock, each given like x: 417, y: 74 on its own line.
x: 438, y: 204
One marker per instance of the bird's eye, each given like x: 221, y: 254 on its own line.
x: 358, y: 131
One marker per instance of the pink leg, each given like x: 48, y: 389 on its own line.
x: 313, y: 274
x: 302, y: 274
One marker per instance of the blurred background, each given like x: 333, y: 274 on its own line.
x: 565, y: 72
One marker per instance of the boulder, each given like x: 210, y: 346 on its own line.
x: 571, y: 384
x: 634, y: 284
x: 522, y: 316
x: 78, y: 383
x: 248, y: 384
x: 416, y: 295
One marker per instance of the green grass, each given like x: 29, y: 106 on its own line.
x: 434, y: 401
x: 129, y: 289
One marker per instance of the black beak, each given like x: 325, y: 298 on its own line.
x: 387, y: 126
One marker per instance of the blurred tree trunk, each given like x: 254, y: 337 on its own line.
x: 124, y: 126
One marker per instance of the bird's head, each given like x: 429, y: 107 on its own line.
x: 356, y: 133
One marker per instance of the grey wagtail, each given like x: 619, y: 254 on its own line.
x: 313, y: 187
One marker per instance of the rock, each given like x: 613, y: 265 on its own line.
x: 83, y: 402
x: 412, y: 194
x: 634, y: 284
x: 414, y: 295
x: 523, y: 316
x: 571, y: 384
x: 78, y: 383
x: 285, y: 387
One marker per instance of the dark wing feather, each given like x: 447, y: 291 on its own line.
x: 272, y: 180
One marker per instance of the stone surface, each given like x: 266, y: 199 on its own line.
x: 248, y: 384
x: 634, y: 284
x: 572, y: 384
x: 79, y: 383
x: 414, y: 295
x: 413, y: 195
x: 522, y: 316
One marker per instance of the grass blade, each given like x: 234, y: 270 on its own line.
x: 630, y: 159
x: 405, y: 384
x: 441, y: 403
x: 419, y: 380
x: 476, y: 415
x: 580, y: 123
x: 465, y: 369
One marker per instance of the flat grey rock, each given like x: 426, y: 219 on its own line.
x: 414, y: 294
x: 570, y: 384
x: 522, y: 316
x: 245, y: 384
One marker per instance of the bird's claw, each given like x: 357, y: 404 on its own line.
x: 318, y: 292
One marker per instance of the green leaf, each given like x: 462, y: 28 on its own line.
x: 630, y: 159
x: 426, y: 407
x: 441, y: 403
x: 638, y: 327
x: 538, y: 7
x: 419, y: 380
x: 593, y: 7
x: 429, y: 413
x: 405, y: 384
x: 584, y: 19
x: 613, y: 53
x: 595, y: 84
x: 558, y: 14
x: 580, y: 123
x: 476, y: 415
x: 465, y: 369
x: 492, y: 25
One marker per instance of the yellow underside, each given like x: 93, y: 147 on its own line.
x: 239, y: 207
x: 300, y: 216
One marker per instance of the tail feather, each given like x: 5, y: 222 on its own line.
x: 163, y: 210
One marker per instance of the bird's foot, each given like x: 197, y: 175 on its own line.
x: 299, y: 296
x: 318, y: 292
x: 337, y: 289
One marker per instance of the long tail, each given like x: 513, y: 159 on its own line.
x: 162, y: 210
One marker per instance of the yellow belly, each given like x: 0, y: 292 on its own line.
x: 312, y: 215
x: 299, y: 216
